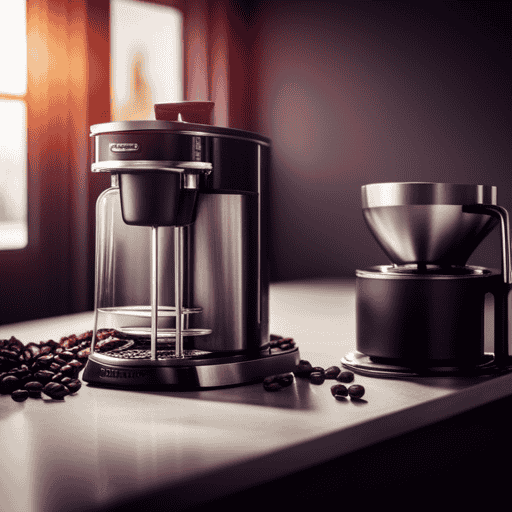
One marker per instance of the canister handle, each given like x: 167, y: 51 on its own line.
x: 501, y: 292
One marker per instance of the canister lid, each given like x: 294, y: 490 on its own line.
x: 427, y: 272
x: 424, y: 193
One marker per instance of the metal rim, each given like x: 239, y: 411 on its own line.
x: 377, y: 195
x: 145, y: 311
x: 152, y: 165
x: 383, y: 272
x: 180, y: 128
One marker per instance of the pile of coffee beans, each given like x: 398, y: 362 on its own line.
x: 281, y: 343
x: 316, y: 375
x: 50, y: 368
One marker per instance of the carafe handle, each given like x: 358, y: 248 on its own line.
x: 501, y: 291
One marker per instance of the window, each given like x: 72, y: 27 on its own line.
x: 13, y: 126
x: 147, y: 60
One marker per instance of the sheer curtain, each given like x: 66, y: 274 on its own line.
x: 67, y: 90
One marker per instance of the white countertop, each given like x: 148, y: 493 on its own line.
x: 101, y: 446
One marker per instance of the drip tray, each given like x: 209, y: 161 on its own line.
x: 138, y: 354
x: 123, y: 362
x: 365, y: 365
x: 133, y: 369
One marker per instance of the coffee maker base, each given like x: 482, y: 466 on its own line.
x: 189, y: 373
x: 365, y: 365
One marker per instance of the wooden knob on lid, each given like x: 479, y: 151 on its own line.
x: 198, y: 112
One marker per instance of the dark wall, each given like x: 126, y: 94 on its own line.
x: 362, y: 92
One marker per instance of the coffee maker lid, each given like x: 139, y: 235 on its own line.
x: 177, y: 127
x: 425, y: 193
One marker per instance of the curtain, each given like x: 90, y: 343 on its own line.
x: 67, y: 91
x: 217, y: 64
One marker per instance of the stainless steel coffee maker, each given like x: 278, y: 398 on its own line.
x: 181, y: 294
x: 424, y: 313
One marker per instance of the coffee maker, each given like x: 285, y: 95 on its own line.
x: 424, y: 313
x: 181, y: 290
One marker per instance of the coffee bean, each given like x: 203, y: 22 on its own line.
x: 73, y: 385
x: 345, y: 376
x: 9, y: 384
x: 20, y: 372
x: 84, y: 353
x: 77, y: 365
x: 356, y: 391
x: 339, y: 389
x: 272, y: 386
x: 34, y: 389
x: 67, y: 355
x: 67, y: 370
x: 303, y: 369
x: 286, y: 343
x: 45, y: 349
x: 44, y: 376
x: 20, y: 395
x: 45, y: 360
x: 318, y: 369
x: 52, y: 344
x: 285, y: 379
x: 54, y: 367
x: 317, y: 377
x: 55, y: 390
x: 27, y: 356
x: 10, y: 355
x: 332, y: 372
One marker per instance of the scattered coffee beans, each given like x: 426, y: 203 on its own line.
x: 317, y: 377
x: 55, y: 390
x: 277, y: 382
x: 339, y: 389
x: 345, y: 376
x: 356, y: 391
x: 332, y: 372
x: 285, y: 379
x: 9, y: 384
x: 277, y: 341
x: 34, y: 389
x: 303, y: 369
x: 73, y: 385
x: 273, y: 386
x: 20, y: 395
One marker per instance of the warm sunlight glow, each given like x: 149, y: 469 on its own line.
x: 13, y: 47
x: 13, y: 181
x: 146, y: 58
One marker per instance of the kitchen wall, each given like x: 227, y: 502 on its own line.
x: 362, y: 92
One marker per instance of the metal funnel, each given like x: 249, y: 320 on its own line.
x: 425, y: 223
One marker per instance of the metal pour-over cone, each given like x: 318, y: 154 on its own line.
x: 424, y: 223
